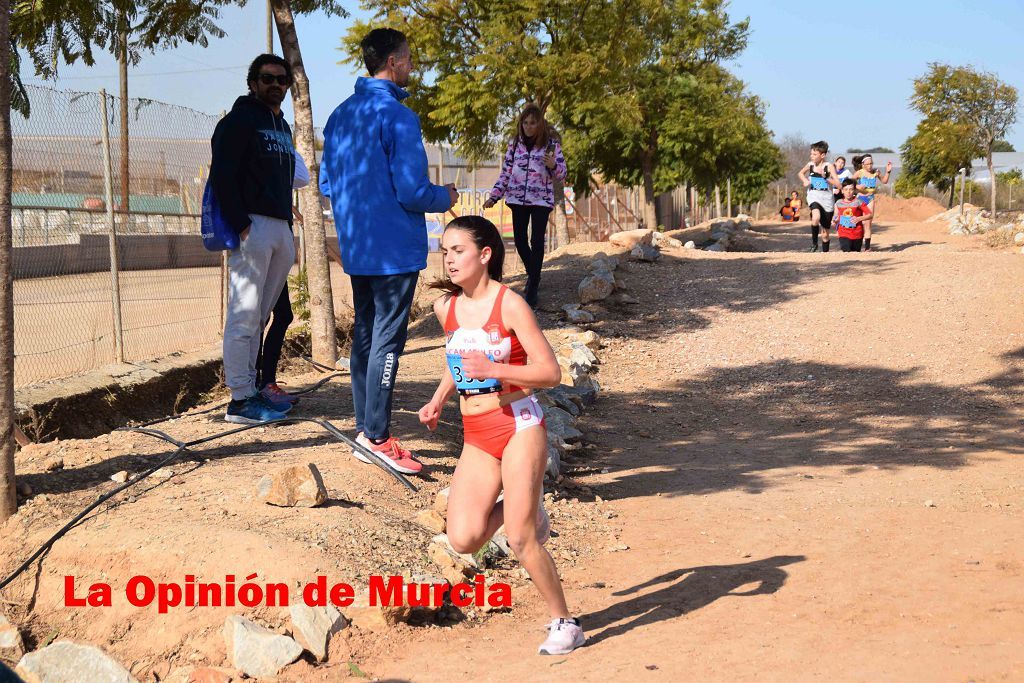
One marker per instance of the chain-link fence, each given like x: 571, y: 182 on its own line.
x: 165, y: 290
x: 108, y: 261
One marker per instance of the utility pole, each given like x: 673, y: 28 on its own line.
x: 270, y: 28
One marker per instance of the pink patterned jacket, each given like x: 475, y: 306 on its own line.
x: 524, y: 179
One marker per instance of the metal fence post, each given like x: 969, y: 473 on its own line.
x: 115, y: 285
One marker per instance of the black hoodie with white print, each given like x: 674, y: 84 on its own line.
x: 253, y: 163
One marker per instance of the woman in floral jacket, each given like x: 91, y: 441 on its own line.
x: 533, y: 160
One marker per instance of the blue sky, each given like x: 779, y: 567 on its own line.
x: 844, y: 79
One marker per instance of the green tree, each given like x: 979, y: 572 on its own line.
x: 872, y: 150
x: 608, y: 75
x: 934, y: 155
x: 976, y: 102
x: 1012, y: 177
x: 1002, y: 146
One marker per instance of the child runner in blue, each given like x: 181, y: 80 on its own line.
x: 819, y: 177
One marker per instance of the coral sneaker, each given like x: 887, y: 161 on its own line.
x: 277, y: 394
x: 564, y: 636
x: 395, y: 457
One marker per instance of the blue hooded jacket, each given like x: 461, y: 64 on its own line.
x: 374, y: 171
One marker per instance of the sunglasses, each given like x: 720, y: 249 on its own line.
x: 267, y: 79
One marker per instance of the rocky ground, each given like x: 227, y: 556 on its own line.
x: 799, y: 465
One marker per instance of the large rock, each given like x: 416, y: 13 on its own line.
x: 646, y: 253
x: 587, y: 389
x: 554, y: 467
x: 432, y: 520
x: 1018, y: 238
x: 596, y: 286
x: 557, y: 397
x: 314, y: 626
x: 720, y: 229
x: 663, y: 241
x: 12, y: 647
x: 562, y: 424
x: 453, y: 565
x: 690, y: 244
x: 375, y: 617
x: 599, y: 265
x: 67, y: 662
x: 630, y: 238
x: 589, y: 338
x: 576, y: 315
x: 255, y: 650
x: 576, y: 358
x: 297, y: 486
x: 582, y: 352
x: 717, y: 246
x: 441, y: 501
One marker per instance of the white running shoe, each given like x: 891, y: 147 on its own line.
x: 564, y: 636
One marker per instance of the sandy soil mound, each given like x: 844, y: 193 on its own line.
x: 911, y: 210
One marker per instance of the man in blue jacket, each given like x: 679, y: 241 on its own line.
x: 374, y: 170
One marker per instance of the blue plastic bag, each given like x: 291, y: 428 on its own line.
x: 217, y: 234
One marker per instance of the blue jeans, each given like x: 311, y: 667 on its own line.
x: 382, y: 304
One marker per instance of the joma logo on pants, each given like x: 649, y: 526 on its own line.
x: 389, y: 366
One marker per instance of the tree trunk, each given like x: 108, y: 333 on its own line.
x: 650, y: 198
x: 8, y: 494
x: 952, y: 192
x: 559, y: 221
x: 718, y: 203
x: 321, y: 298
x: 991, y: 178
x: 125, y: 157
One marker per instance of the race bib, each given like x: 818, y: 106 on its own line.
x: 819, y: 183
x: 464, y: 383
x: 868, y: 182
x: 847, y: 222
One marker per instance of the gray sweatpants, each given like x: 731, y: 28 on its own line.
x: 257, y: 271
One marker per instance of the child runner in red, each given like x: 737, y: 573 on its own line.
x: 849, y: 217
x: 490, y: 333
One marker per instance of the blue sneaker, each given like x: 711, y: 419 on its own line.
x: 251, y: 411
x: 279, y: 406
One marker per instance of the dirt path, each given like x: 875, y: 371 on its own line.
x: 814, y: 460
x: 774, y: 426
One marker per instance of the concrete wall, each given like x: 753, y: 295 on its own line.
x: 135, y: 252
x: 92, y: 255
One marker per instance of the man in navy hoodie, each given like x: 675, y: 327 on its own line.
x: 374, y: 170
x: 251, y: 172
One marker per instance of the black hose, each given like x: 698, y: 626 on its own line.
x: 92, y: 506
x: 182, y: 447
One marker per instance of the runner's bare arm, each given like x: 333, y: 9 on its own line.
x: 446, y: 387
x: 803, y: 176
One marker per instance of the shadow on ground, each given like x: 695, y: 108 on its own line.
x: 672, y: 597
